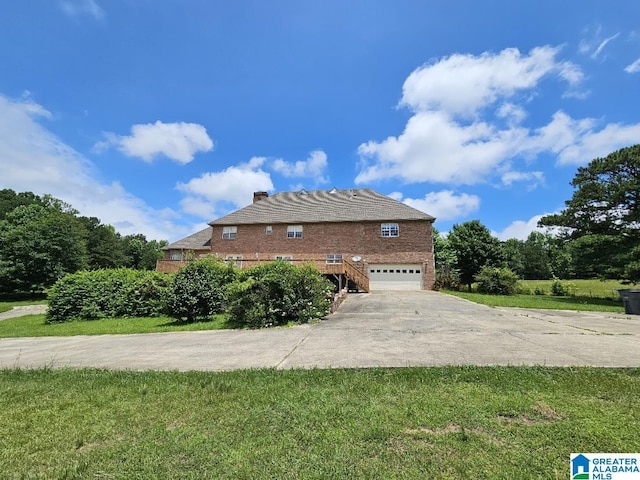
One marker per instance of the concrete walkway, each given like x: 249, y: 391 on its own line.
x: 391, y: 329
x: 23, y: 310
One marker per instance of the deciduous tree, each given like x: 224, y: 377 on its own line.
x: 475, y: 247
x: 39, y: 245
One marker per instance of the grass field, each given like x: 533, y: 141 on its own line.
x: 34, y: 326
x: 580, y: 288
x: 585, y: 295
x: 445, y: 423
x: 544, y: 301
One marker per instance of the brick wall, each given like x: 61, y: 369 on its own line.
x: 413, y: 245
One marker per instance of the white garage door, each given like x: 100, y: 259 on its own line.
x: 395, y: 277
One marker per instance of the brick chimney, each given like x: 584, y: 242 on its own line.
x: 257, y: 196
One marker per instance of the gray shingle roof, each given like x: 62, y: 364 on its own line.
x: 198, y: 241
x: 314, y: 206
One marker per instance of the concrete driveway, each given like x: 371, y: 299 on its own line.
x: 391, y: 329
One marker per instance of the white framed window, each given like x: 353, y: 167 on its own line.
x: 229, y: 233
x: 283, y: 258
x: 389, y: 230
x: 294, y: 231
x: 177, y: 256
x: 268, y: 230
x: 236, y: 259
x: 334, y: 259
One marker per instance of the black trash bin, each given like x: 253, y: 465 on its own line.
x: 631, y: 300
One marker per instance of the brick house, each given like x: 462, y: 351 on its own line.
x: 357, y: 236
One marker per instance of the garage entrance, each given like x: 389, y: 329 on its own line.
x: 395, y: 277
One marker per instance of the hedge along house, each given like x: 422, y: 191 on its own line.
x: 359, y: 235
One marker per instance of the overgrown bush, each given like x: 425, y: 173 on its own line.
x: 559, y: 289
x: 198, y: 290
x: 447, y: 278
x: 497, y: 281
x: 540, y: 291
x: 118, y: 292
x: 523, y: 290
x: 278, y: 293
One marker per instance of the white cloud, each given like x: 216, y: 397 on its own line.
x: 452, y: 137
x: 515, y: 114
x: 177, y: 141
x: 198, y: 207
x: 596, y: 144
x: 633, y: 67
x: 560, y: 132
x: 603, y: 44
x: 33, y: 159
x: 82, y: 7
x: 520, y: 229
x: 444, y: 205
x: 510, y: 177
x: 312, y: 167
x: 435, y: 148
x: 595, y: 45
x: 235, y: 184
x: 463, y: 84
x: 577, y: 142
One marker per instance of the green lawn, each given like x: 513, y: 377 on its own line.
x: 544, y: 301
x: 585, y: 295
x: 580, y: 288
x: 445, y: 423
x: 34, y: 326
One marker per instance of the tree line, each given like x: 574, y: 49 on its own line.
x: 469, y: 246
x: 597, y: 235
x: 43, y: 238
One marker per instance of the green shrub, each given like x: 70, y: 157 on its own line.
x: 278, y: 293
x: 540, y: 291
x: 118, y: 292
x: 559, y: 289
x: 497, y: 281
x: 447, y: 278
x: 523, y: 290
x: 198, y: 290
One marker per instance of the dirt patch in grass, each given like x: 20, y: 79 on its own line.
x: 541, y: 414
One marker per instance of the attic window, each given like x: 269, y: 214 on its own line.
x: 303, y: 192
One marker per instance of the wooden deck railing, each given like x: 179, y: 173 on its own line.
x: 170, y: 266
x: 354, y: 272
x: 357, y: 274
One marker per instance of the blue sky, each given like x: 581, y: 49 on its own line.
x: 158, y: 116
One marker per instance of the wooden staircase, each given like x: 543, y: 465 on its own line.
x: 357, y: 274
